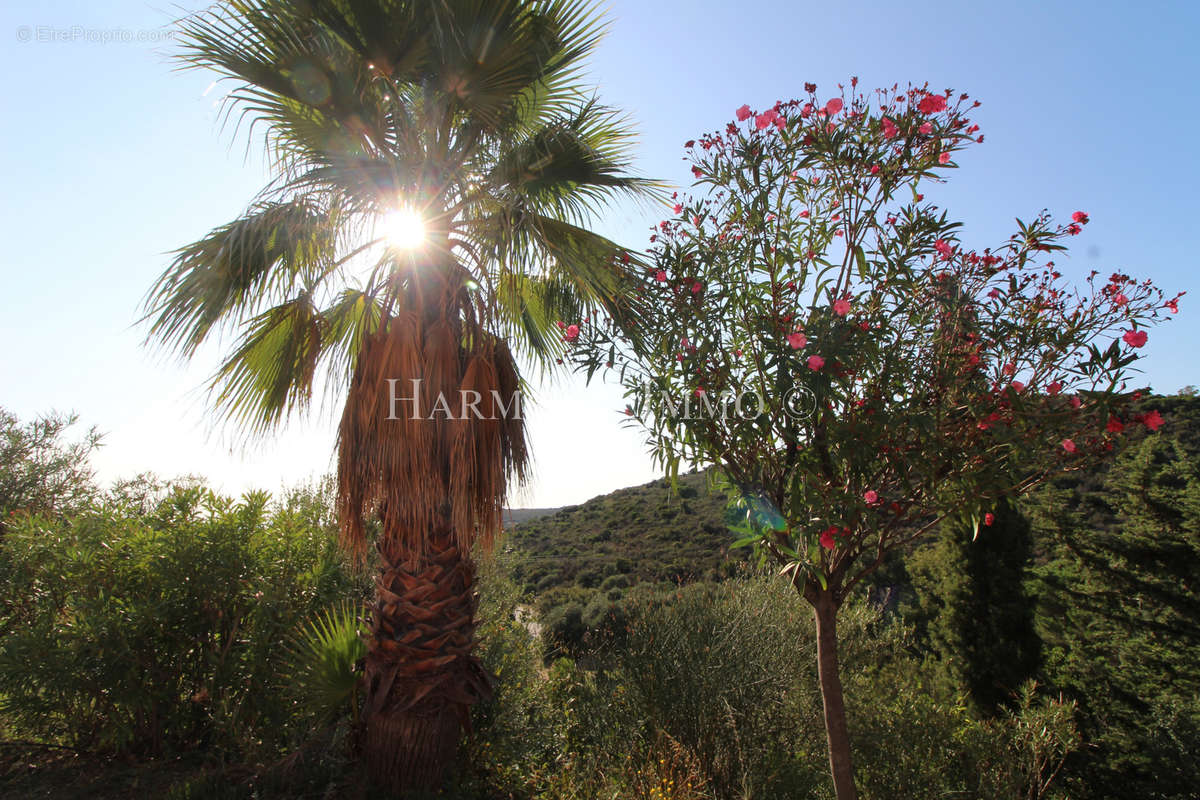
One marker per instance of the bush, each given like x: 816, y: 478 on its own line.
x: 720, y: 681
x: 168, y: 619
x: 41, y: 472
x: 618, y: 581
x: 715, y: 668
x: 130, y: 632
x: 519, y: 730
x: 563, y: 630
x: 908, y: 732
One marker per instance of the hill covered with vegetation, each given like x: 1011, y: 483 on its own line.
x: 646, y: 533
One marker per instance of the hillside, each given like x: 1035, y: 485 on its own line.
x: 642, y: 533
x: 645, y: 534
x: 516, y: 516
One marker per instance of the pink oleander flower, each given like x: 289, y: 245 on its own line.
x: 932, y: 104
x: 766, y: 118
x: 1135, y: 338
x: 827, y: 540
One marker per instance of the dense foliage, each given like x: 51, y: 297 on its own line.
x: 1118, y: 612
x: 692, y: 694
x: 163, y: 618
x: 700, y: 699
x: 972, y: 606
x: 40, y: 471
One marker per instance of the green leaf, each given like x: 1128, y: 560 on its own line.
x: 864, y: 269
x: 746, y: 540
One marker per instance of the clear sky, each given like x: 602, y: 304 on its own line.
x: 113, y: 159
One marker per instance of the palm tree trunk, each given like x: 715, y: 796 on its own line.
x: 825, y: 609
x: 421, y: 674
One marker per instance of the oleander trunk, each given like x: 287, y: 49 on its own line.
x: 841, y: 767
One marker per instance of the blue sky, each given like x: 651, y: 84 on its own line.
x: 113, y: 158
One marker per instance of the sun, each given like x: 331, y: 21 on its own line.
x: 404, y: 229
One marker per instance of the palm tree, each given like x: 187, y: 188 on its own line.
x: 462, y: 120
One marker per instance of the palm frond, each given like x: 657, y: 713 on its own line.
x: 237, y: 268
x: 502, y: 62
x: 572, y: 166
x: 324, y: 653
x: 531, y: 308
x: 271, y: 372
x: 420, y: 469
x: 348, y: 323
x: 291, y: 74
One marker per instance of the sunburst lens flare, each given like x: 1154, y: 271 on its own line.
x: 404, y: 229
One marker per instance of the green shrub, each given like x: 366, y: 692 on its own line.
x: 169, y: 619
x: 722, y: 678
x: 913, y: 739
x: 41, y: 472
x: 563, y: 630
x: 715, y: 668
x: 618, y: 581
x: 150, y: 633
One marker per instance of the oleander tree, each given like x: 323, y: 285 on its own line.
x: 42, y: 472
x: 435, y: 167
x: 855, y: 371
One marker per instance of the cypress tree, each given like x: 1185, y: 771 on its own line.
x: 977, y: 619
x: 1119, y: 612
